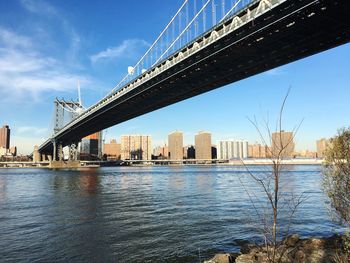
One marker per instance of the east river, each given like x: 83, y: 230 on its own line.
x: 142, y: 214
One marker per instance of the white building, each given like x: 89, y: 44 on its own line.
x: 232, y: 149
x: 3, y: 151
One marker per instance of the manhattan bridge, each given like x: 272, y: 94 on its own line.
x: 206, y: 44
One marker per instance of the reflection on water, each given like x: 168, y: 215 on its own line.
x: 2, y: 190
x: 141, y: 214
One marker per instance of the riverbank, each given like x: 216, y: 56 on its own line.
x: 140, y: 163
x: 290, y: 250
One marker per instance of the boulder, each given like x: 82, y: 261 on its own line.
x: 246, y: 258
x: 291, y: 250
x: 291, y: 241
x: 247, y: 248
x: 313, y: 243
x: 317, y: 256
x: 299, y: 257
x: 223, y: 258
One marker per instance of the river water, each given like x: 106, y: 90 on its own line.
x: 142, y: 214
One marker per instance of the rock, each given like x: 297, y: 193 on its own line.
x: 246, y: 248
x: 246, y: 258
x: 291, y: 250
x: 223, y: 258
x: 261, y: 257
x: 299, y: 257
x: 316, y: 256
x: 313, y: 243
x: 291, y: 241
x: 333, y: 242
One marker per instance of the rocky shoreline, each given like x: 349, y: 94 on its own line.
x: 293, y: 250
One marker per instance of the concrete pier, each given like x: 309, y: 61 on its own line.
x: 64, y: 164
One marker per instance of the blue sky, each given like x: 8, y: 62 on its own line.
x: 46, y: 46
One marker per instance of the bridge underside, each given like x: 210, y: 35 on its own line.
x: 290, y: 31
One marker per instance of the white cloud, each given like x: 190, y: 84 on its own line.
x: 50, y: 12
x: 38, y: 6
x: 27, y: 73
x: 14, y: 60
x: 127, y: 49
x: 10, y: 39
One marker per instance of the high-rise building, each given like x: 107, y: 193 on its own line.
x: 321, y: 146
x: 232, y: 149
x: 282, y: 144
x: 175, y: 142
x: 5, y: 137
x: 91, y: 146
x: 161, y: 152
x: 191, y: 152
x: 184, y: 151
x: 203, y: 145
x: 258, y: 151
x: 13, y: 151
x: 136, y: 147
x: 112, y: 149
x: 306, y: 154
x: 3, y: 151
x: 214, y: 152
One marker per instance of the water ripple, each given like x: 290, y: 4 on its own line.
x: 142, y: 214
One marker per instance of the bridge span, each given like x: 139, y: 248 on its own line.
x: 264, y: 35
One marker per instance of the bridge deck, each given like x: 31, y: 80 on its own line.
x: 289, y: 31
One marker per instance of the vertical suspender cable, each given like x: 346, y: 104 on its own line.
x: 196, y: 22
x: 222, y: 8
x: 213, y: 9
x: 187, y: 22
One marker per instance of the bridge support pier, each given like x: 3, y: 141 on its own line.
x: 73, y: 152
x: 54, y: 154
x: 57, y: 153
x: 60, y: 152
x: 36, y: 154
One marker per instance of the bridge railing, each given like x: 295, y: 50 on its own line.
x: 191, y: 30
x: 189, y: 23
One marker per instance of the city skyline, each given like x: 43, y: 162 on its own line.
x: 85, y: 145
x: 226, y: 149
x: 98, y: 56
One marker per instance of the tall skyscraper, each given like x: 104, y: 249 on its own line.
x: 202, y: 143
x: 5, y: 137
x: 282, y: 144
x: 175, y: 142
x: 136, y: 147
x: 321, y: 146
x: 232, y: 149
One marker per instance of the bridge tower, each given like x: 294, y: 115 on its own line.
x: 65, y: 111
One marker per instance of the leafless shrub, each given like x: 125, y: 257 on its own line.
x: 270, y: 183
